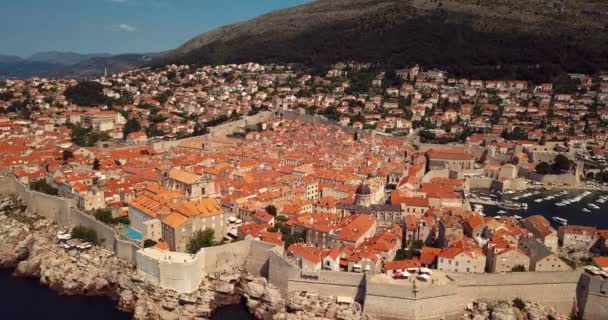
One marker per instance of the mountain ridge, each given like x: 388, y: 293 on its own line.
x: 471, y: 37
x: 55, y: 64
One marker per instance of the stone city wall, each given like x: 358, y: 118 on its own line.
x: 569, y: 179
x: 258, y: 260
x: 479, y: 183
x: 179, y: 271
x: 401, y: 300
x: 555, y: 289
x: 331, y: 283
x: 234, y: 126
x: 315, y: 119
x: 184, y: 272
x: 62, y: 211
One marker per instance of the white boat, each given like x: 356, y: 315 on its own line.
x: 517, y: 217
x: 560, y: 220
x: 560, y: 204
x: 501, y: 212
x: 593, y: 206
x: 538, y: 200
x: 524, y: 206
x: 586, y: 210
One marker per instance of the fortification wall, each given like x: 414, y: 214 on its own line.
x: 330, y: 283
x: 569, y: 179
x: 61, y: 211
x: 105, y: 234
x: 181, y: 273
x: 228, y: 257
x: 401, y: 300
x: 307, y: 118
x: 480, y: 183
x: 233, y: 126
x: 257, y: 262
x: 280, y: 270
x: 148, y: 266
x: 126, y: 250
x: 555, y: 289
x: 177, y: 271
x: 592, y: 296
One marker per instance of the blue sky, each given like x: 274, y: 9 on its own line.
x: 117, y: 26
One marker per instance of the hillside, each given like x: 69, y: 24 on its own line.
x: 482, y: 38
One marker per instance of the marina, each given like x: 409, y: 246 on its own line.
x: 575, y: 207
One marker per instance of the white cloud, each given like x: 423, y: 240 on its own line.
x: 126, y: 27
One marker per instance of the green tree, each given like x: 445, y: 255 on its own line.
x: 67, y: 154
x: 543, y: 168
x: 272, y: 210
x: 403, y: 254
x: 86, y: 137
x: 44, y: 187
x: 201, y: 239
x: 86, y: 94
x: 132, y: 125
x: 518, y: 268
x: 122, y: 220
x: 84, y: 233
x: 562, y: 164
x: 104, y: 216
x: 149, y: 243
x: 96, y: 164
x: 519, y: 303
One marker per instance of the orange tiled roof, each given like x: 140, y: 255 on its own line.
x: 402, y: 264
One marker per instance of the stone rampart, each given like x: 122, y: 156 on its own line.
x: 184, y: 272
x: 280, y: 270
x: 555, y: 289
x: 126, y: 250
x: 105, y: 234
x: 228, y: 257
x: 233, y: 126
x: 330, y: 283
x: 62, y: 211
x: 257, y: 262
x: 402, y: 299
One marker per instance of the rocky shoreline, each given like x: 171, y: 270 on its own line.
x: 28, y: 246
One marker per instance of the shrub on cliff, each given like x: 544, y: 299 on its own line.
x: 519, y: 303
x: 85, y: 234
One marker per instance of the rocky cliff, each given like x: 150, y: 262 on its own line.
x: 507, y: 310
x: 27, y: 245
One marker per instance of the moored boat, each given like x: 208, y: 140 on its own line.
x: 560, y: 220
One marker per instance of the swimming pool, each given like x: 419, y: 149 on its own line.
x: 133, y: 234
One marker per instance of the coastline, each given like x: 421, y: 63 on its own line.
x: 28, y: 246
